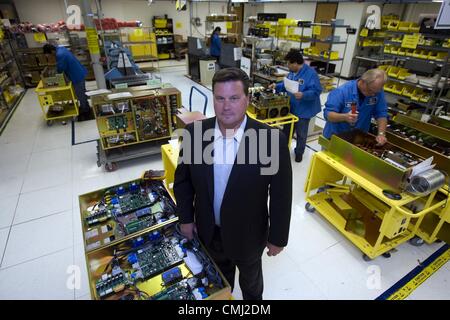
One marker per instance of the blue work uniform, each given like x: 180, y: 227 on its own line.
x: 67, y: 63
x: 340, y: 101
x: 216, y: 45
x: 309, y: 84
x: 305, y: 108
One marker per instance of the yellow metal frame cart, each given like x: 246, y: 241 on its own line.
x: 134, y: 124
x: 359, y: 209
x: 57, y: 103
x: 170, y: 162
x: 279, y: 121
x: 435, y: 226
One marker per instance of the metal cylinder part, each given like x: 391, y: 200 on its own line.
x: 426, y: 182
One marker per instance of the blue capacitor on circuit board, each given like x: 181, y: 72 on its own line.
x: 134, y: 187
x: 132, y: 258
x: 120, y: 191
x: 155, y: 235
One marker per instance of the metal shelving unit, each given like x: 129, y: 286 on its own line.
x: 32, y: 60
x: 313, y: 39
x: 11, y: 76
x: 165, y: 37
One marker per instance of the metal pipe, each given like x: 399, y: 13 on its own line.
x: 97, y: 66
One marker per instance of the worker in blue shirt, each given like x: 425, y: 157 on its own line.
x: 76, y: 72
x: 367, y: 94
x: 216, y: 44
x: 305, y: 103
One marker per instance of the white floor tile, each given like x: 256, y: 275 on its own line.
x: 86, y: 131
x: 49, y: 176
x: 85, y: 185
x: 133, y: 169
x: 50, y: 158
x: 284, y: 280
x: 85, y: 297
x: 77, y: 223
x: 36, y: 238
x: 3, y: 240
x: 14, y: 165
x: 53, y: 138
x: 309, y: 236
x: 16, y: 149
x: 10, y: 185
x: 44, y: 202
x: 7, y: 208
x: 341, y: 273
x: 80, y: 262
x: 84, y: 161
x: 43, y: 278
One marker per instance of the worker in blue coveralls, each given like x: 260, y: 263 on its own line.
x: 66, y: 62
x: 216, y: 44
x: 305, y: 103
x: 367, y: 95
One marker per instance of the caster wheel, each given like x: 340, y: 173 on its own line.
x: 366, y: 258
x: 63, y: 123
x: 386, y: 255
x: 416, y: 242
x: 309, y: 207
x: 110, y: 167
x: 49, y: 123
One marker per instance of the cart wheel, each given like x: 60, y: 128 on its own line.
x: 366, y: 258
x: 416, y: 242
x: 110, y: 167
x: 309, y: 207
x: 63, y: 123
x: 387, y: 254
x: 49, y: 123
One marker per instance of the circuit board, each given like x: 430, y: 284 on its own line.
x: 117, y: 122
x: 157, y: 265
x: 110, y: 284
x: 178, y: 291
x: 156, y: 259
x: 126, y: 209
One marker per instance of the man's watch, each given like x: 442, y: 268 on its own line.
x: 381, y: 133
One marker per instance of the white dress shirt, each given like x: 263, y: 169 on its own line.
x: 225, y: 151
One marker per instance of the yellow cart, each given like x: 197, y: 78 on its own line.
x: 57, y: 103
x: 170, y: 162
x: 385, y: 222
x: 290, y: 119
x: 435, y: 226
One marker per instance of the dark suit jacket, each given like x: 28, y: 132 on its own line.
x: 247, y: 220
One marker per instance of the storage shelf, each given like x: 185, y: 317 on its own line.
x: 136, y: 42
x: 381, y: 60
x: 412, y: 83
x: 444, y: 99
x: 407, y: 99
x: 426, y: 35
x: 419, y: 46
x: 438, y: 63
x: 321, y: 58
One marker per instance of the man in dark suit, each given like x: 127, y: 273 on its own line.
x: 230, y: 166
